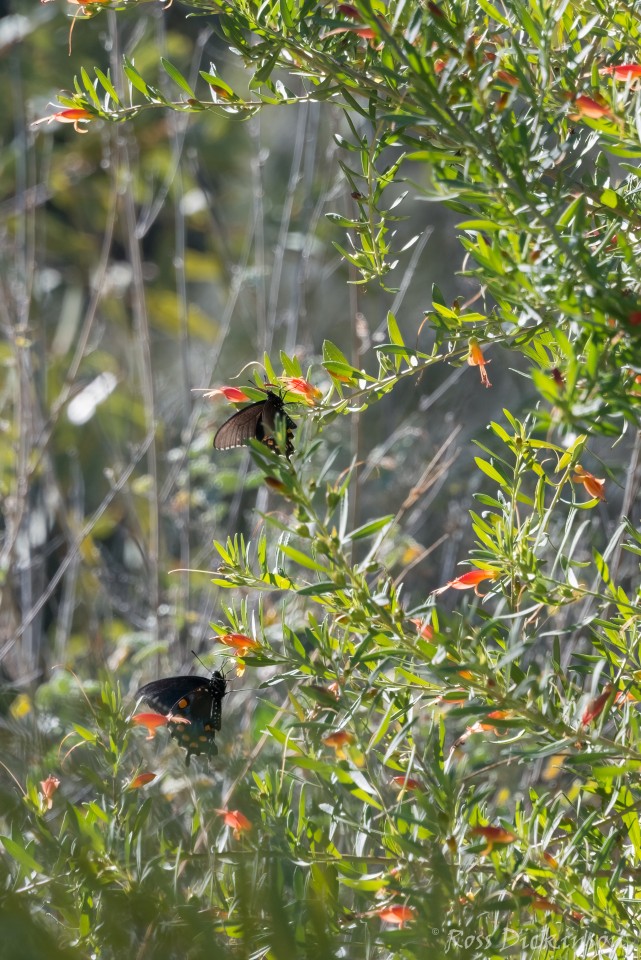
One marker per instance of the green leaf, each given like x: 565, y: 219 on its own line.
x: 264, y: 72
x: 89, y: 87
x: 492, y: 12
x: 609, y: 198
x: 286, y: 8
x: 331, y: 352
x: 491, y: 472
x: 270, y: 373
x: 317, y: 589
x: 369, y: 528
x: 342, y: 370
x: 301, y: 558
x: 366, y: 798
x: 346, y: 222
x: 87, y: 735
x: 135, y: 79
x: 108, y: 85
x: 177, y: 77
x: 20, y: 855
x: 216, y: 83
x: 394, y: 331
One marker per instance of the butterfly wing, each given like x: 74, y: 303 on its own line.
x: 240, y: 427
x: 197, y: 700
x: 258, y: 421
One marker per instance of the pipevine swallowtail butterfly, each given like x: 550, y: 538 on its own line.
x: 196, y: 699
x: 257, y: 421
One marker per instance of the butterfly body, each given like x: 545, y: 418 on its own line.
x: 196, y: 700
x: 257, y: 421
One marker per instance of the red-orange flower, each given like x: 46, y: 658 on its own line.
x: 538, y: 902
x: 594, y: 486
x: 482, y: 726
x: 152, y: 721
x: 596, y: 706
x: 407, y: 783
x: 493, y: 835
x: 623, y: 71
x: 140, y: 781
x: 233, y: 394
x: 367, y: 33
x: 49, y: 787
x: 634, y: 318
x: 469, y: 580
x: 236, y: 820
x: 506, y: 77
x: 277, y: 485
x: 339, y: 741
x: 425, y: 629
x: 397, y: 914
x: 239, y: 642
x: 593, y: 109
x: 73, y: 115
x: 353, y: 14
x: 476, y: 359
x: 303, y: 388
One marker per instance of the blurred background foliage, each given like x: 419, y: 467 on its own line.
x: 143, y: 262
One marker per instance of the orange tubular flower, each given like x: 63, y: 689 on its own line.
x: 347, y: 10
x: 49, y: 787
x: 593, y: 109
x: 468, y: 580
x: 537, y: 902
x: 352, y: 14
x: 596, y: 707
x: 623, y: 71
x: 476, y: 359
x: 365, y: 32
x: 594, y: 486
x: 236, y: 821
x: 152, y: 721
x: 506, y: 77
x: 425, y: 629
x: 397, y: 914
x: 338, y: 741
x: 140, y: 781
x: 303, y: 388
x: 233, y: 394
x: 73, y: 115
x: 277, y: 485
x: 239, y: 642
x: 408, y: 783
x: 493, y: 835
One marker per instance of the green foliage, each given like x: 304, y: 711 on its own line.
x: 400, y: 736
x: 424, y: 776
x: 500, y: 109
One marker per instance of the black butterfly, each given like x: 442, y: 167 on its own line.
x: 195, y: 699
x: 258, y: 421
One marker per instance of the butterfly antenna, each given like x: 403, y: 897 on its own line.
x: 195, y: 655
